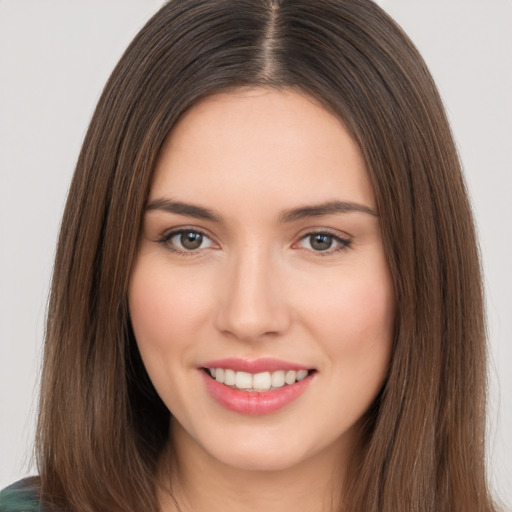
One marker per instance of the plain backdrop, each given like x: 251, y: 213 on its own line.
x: 55, y: 56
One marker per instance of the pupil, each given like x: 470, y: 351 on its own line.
x: 321, y: 242
x: 191, y: 240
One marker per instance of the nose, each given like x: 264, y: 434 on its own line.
x: 252, y: 304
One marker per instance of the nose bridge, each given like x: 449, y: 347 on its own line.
x: 252, y: 303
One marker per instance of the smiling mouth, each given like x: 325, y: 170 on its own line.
x: 257, y: 382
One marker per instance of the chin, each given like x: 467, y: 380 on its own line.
x: 265, y: 450
x: 259, y: 460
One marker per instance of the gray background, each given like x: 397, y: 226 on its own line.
x: 55, y: 56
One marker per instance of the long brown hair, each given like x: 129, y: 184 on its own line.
x: 102, y: 427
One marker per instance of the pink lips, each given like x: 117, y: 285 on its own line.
x: 252, y: 402
x: 256, y: 366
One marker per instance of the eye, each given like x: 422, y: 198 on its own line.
x: 323, y: 242
x: 186, y: 241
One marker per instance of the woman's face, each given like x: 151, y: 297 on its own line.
x: 261, y: 264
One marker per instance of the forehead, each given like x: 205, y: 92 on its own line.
x: 279, y: 145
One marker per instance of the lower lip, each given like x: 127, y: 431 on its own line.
x: 255, y: 403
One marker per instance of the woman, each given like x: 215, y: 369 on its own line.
x: 267, y: 288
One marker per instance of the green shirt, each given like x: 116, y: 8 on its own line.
x: 21, y: 496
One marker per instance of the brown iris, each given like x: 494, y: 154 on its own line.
x: 191, y: 240
x: 320, y: 241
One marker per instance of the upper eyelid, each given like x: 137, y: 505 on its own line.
x: 336, y: 233
x: 342, y: 242
x: 165, y: 241
x: 340, y: 239
x: 169, y: 233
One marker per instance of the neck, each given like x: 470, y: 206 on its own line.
x: 192, y: 480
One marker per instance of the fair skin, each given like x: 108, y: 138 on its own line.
x: 282, y: 259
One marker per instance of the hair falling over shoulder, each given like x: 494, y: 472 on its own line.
x: 102, y: 427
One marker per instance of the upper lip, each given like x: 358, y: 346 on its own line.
x: 266, y: 364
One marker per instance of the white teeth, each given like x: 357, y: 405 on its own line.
x: 243, y: 380
x: 257, y: 382
x: 291, y: 377
x: 302, y: 374
x: 262, y: 381
x: 229, y: 377
x: 278, y: 379
x: 219, y: 375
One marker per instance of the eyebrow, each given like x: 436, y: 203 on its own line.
x: 329, y: 208
x: 180, y: 208
x: 199, y: 212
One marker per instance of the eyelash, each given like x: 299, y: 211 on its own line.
x: 342, y: 244
x: 166, y: 241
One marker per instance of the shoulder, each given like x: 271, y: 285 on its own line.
x: 22, y: 496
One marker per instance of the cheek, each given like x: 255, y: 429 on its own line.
x: 354, y: 324
x: 360, y: 344
x: 165, y: 307
x: 359, y: 310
